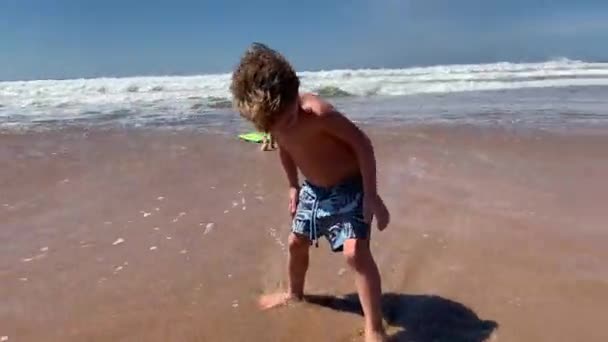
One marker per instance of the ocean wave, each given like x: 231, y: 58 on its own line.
x: 332, y: 91
x: 183, y: 95
x: 132, y: 89
x: 197, y: 106
x: 219, y: 102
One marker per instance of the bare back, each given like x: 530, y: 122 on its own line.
x: 323, y: 159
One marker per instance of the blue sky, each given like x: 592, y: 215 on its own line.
x: 85, y: 38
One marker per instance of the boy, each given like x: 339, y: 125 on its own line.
x: 339, y: 197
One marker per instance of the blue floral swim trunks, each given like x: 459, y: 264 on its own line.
x: 334, y: 212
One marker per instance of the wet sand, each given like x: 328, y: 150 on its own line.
x: 170, y: 236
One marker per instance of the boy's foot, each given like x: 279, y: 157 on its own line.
x: 274, y: 300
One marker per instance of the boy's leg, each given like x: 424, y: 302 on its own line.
x: 297, y: 264
x: 297, y: 267
x: 367, y: 280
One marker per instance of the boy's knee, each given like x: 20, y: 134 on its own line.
x: 356, y: 253
x: 297, y: 244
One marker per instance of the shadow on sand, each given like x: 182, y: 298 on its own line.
x: 423, y: 318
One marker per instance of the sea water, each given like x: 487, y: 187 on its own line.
x: 553, y: 93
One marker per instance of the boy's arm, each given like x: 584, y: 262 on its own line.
x: 291, y: 170
x: 292, y: 176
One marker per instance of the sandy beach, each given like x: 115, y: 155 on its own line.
x: 145, y: 235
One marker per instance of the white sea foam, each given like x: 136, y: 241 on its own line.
x: 145, y: 99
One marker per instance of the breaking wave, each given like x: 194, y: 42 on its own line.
x: 184, y: 95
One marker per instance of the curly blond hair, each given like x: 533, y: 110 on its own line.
x: 263, y: 85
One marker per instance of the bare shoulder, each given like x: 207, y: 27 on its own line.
x: 327, y: 118
x: 314, y: 104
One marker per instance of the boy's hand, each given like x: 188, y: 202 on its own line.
x: 374, y: 205
x: 294, y: 195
